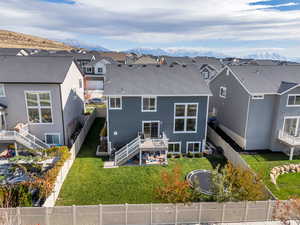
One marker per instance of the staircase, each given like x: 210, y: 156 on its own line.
x: 24, y: 138
x: 128, y: 151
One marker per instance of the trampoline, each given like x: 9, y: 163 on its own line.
x: 200, y: 180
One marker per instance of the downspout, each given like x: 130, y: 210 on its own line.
x: 62, y: 114
x: 247, y: 119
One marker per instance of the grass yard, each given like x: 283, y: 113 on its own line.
x: 88, y: 183
x: 288, y: 184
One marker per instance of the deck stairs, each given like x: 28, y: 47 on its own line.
x: 128, y: 151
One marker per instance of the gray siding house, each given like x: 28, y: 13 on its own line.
x: 41, y: 96
x: 165, y: 106
x: 259, y: 106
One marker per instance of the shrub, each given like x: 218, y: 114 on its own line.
x: 237, y: 184
x: 177, y: 156
x: 169, y: 155
x: 174, y: 188
x: 198, y: 155
x: 190, y: 155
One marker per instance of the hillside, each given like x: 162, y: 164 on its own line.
x: 9, y: 39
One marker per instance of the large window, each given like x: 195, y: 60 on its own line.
x: 193, y: 146
x: 52, y: 139
x: 293, y: 100
x: 148, y: 104
x: 115, y: 103
x: 174, y: 147
x: 185, y: 120
x: 2, y: 90
x: 39, y: 107
x: 291, y: 126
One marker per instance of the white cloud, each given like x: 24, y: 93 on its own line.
x: 156, y: 21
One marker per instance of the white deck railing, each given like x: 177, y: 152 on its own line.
x: 288, y: 138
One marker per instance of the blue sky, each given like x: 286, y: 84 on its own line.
x: 232, y: 27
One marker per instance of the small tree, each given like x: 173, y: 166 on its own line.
x: 174, y: 188
x: 288, y: 212
x: 237, y: 184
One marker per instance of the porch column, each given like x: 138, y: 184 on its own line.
x: 140, y: 157
x: 292, y: 153
x: 16, y: 149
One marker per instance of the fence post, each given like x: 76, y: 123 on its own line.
x: 199, y: 213
x: 74, y: 214
x: 176, y: 217
x: 223, y: 212
x: 126, y: 211
x: 246, y: 211
x: 19, y: 216
x: 269, y: 210
x: 100, y: 214
x: 151, y: 213
x: 47, y: 222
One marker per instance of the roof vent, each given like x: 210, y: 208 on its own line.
x: 183, y: 65
x: 144, y: 65
x: 130, y: 65
x: 157, y: 65
x: 171, y: 65
x: 119, y: 65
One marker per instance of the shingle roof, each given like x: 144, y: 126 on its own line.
x: 117, y: 56
x: 9, y: 51
x: 16, y: 69
x: 157, y: 80
x: 268, y: 79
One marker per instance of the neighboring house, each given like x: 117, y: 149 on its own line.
x: 45, y: 94
x: 145, y: 59
x: 168, y: 60
x: 259, y: 106
x: 160, y: 104
x: 94, y: 77
x: 119, y: 57
x: 13, y: 52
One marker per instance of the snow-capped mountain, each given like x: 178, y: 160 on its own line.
x: 79, y: 44
x: 175, y: 52
x: 267, y: 55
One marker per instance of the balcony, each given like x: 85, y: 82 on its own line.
x: 154, y: 144
x: 289, y: 139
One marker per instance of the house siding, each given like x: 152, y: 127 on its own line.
x: 128, y: 121
x: 72, y: 97
x: 231, y: 111
x: 16, y: 111
x: 260, y: 122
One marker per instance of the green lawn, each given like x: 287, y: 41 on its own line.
x: 288, y: 184
x: 88, y: 183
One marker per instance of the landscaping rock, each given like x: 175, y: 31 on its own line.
x: 279, y: 170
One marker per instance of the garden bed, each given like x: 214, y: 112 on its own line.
x: 263, y: 163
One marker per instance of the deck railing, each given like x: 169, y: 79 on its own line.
x: 288, y: 138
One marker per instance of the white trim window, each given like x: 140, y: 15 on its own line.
x: 2, y: 90
x: 39, y: 107
x: 88, y: 69
x: 223, y: 92
x: 185, y: 117
x: 115, y: 102
x: 205, y: 74
x: 52, y: 138
x: 174, y: 147
x: 291, y: 126
x: 149, y: 104
x: 293, y: 100
x: 100, y: 70
x: 193, y: 146
x: 80, y: 83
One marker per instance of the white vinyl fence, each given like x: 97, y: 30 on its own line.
x: 50, y: 201
x: 142, y: 214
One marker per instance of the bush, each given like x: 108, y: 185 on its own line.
x: 237, y: 184
x: 174, y: 188
x: 198, y: 155
x: 190, y: 155
x: 177, y: 156
x: 169, y: 155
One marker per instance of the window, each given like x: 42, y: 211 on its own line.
x: 115, y: 103
x: 185, y: 120
x: 291, y: 126
x: 2, y: 90
x: 193, y: 146
x: 52, y: 139
x: 174, y: 147
x: 39, y: 107
x: 88, y: 69
x: 205, y: 75
x: 80, y: 83
x: 258, y: 97
x: 94, y: 84
x: 223, y: 92
x: 100, y: 70
x: 293, y: 100
x: 148, y: 104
